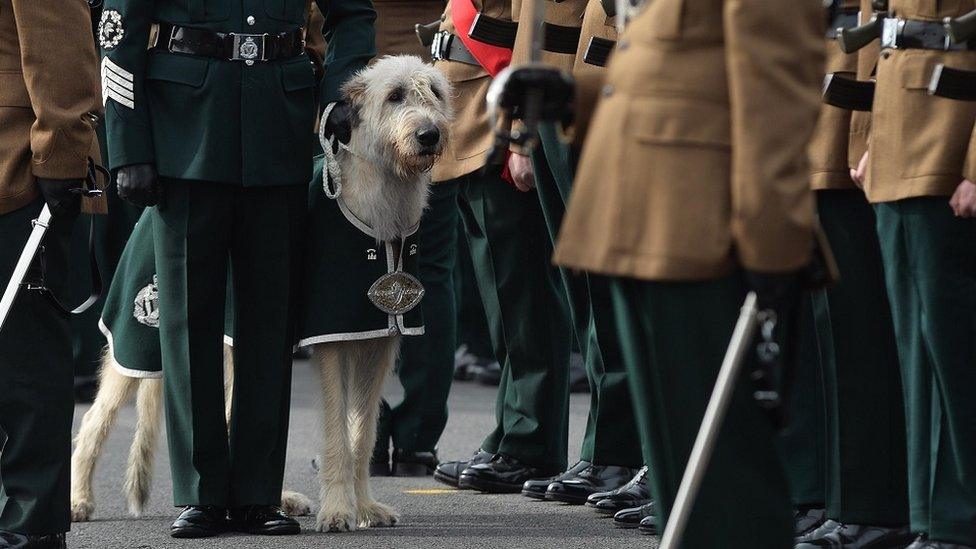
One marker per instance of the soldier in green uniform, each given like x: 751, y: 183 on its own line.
x: 48, y: 104
x: 213, y: 122
x: 911, y: 174
x: 610, y: 456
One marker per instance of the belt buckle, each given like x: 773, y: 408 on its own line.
x: 890, y: 30
x: 437, y: 46
x: 249, y: 47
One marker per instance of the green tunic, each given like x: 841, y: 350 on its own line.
x: 347, y: 261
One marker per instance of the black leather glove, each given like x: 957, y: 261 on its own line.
x: 138, y: 184
x: 777, y: 291
x: 63, y: 196
x: 556, y: 88
x: 339, y: 124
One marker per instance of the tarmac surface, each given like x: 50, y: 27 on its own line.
x: 432, y: 515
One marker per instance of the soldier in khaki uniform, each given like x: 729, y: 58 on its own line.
x: 912, y: 175
x: 49, y: 99
x: 693, y: 187
x: 866, y: 498
x: 609, y: 456
x: 524, y: 300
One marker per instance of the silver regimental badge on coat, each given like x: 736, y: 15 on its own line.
x: 147, y: 305
x: 396, y: 293
x: 110, y: 30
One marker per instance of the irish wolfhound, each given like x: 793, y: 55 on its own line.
x: 402, y: 115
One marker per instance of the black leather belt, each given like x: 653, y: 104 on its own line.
x: 560, y: 39
x: 496, y: 32
x: 598, y: 51
x: 229, y: 46
x: 846, y: 19
x: 447, y: 46
x: 924, y: 35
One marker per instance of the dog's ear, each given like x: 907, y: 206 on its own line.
x: 354, y: 91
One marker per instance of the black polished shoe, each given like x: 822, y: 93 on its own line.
x: 490, y: 374
x: 595, y: 478
x: 633, y: 494
x: 11, y: 540
x: 648, y: 526
x: 861, y: 536
x: 199, y: 521
x: 630, y: 518
x: 264, y: 520
x: 501, y: 475
x: 827, y: 527
x: 536, y: 489
x: 448, y: 472
x: 935, y: 544
x: 807, y: 520
x: 919, y: 542
x: 414, y: 464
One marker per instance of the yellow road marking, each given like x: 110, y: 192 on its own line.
x: 429, y: 491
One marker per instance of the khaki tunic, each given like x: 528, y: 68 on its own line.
x: 867, y: 62
x: 696, y: 160
x: 395, y: 20
x: 567, y: 13
x: 829, y: 165
x: 597, y: 24
x: 471, y: 136
x: 970, y: 170
x: 918, y: 141
x: 48, y: 86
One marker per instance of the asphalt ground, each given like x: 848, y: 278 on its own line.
x: 432, y: 515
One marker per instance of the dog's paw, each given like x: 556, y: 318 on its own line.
x: 374, y: 513
x: 295, y: 504
x: 335, y: 520
x: 81, y: 510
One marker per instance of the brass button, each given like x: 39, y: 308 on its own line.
x: 251, y: 20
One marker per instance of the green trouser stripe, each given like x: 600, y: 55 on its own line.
x: 802, y: 441
x: 427, y: 362
x: 36, y: 401
x: 865, y: 410
x: 930, y: 270
x: 608, y: 437
x: 674, y: 336
x: 527, y: 318
x: 203, y: 228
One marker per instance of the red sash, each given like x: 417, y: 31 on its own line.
x: 492, y: 58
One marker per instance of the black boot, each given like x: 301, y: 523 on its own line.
x: 593, y: 479
x: 807, y: 519
x: 860, y: 536
x: 265, y: 520
x: 633, y: 494
x: 414, y: 464
x: 11, y: 540
x: 199, y: 521
x: 501, y: 475
x: 449, y: 472
x: 536, y: 489
x: 631, y: 518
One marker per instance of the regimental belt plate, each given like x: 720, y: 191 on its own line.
x: 396, y: 293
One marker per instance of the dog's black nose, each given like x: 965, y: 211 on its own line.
x: 428, y: 136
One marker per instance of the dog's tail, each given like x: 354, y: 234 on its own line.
x: 138, y: 474
x: 114, y: 391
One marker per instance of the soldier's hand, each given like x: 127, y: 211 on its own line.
x: 339, y: 124
x: 63, y: 196
x: 523, y: 176
x: 138, y: 184
x: 860, y: 173
x: 556, y: 88
x: 963, y: 201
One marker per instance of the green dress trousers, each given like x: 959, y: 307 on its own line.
x: 608, y: 437
x: 865, y: 413
x: 426, y: 367
x: 674, y: 336
x: 528, y: 318
x: 36, y: 402
x: 930, y: 269
x: 202, y: 229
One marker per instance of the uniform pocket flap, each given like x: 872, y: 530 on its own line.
x: 181, y: 69
x: 13, y: 90
x: 678, y: 121
x: 916, y: 70
x: 297, y: 75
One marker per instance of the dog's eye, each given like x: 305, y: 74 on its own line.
x: 437, y: 93
x: 395, y: 96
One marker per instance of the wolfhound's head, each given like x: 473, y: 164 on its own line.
x: 403, y: 113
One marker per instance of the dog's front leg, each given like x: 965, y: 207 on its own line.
x: 337, y: 495
x: 368, y: 377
